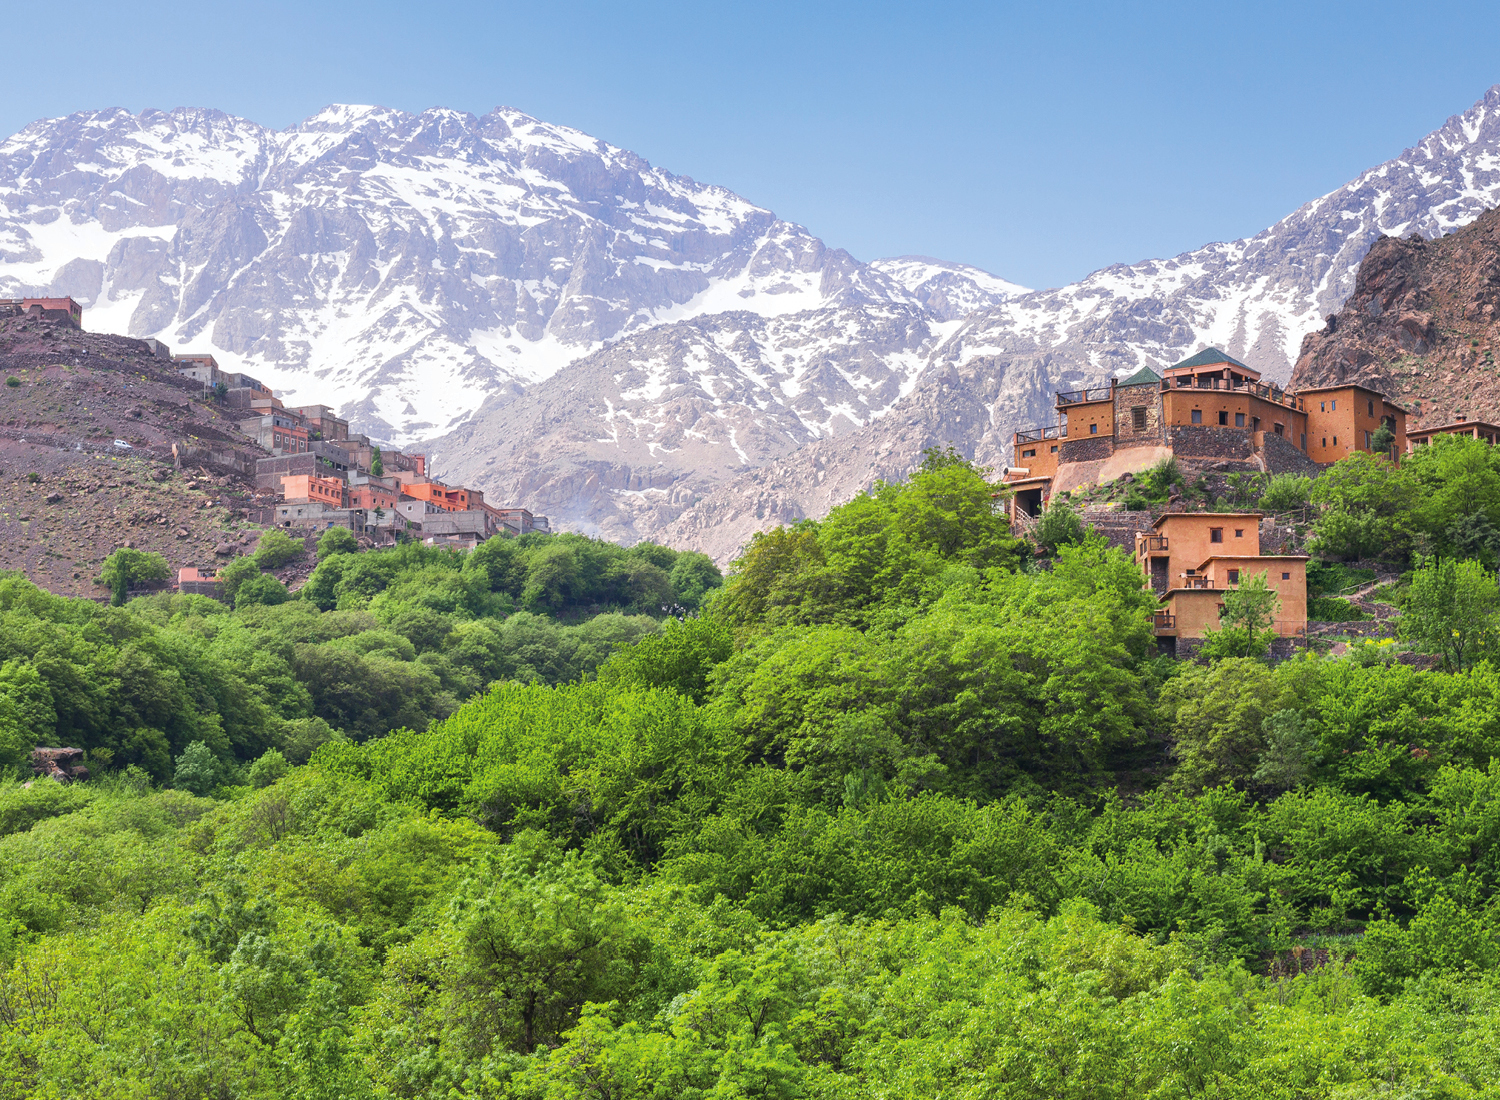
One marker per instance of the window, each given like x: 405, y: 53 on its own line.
x: 1234, y: 576
x: 1197, y: 417
x: 1094, y: 430
x: 1286, y: 576
x: 1239, y: 420
x: 1369, y: 441
x: 1054, y: 448
x: 1335, y: 441
x: 1223, y: 419
x: 1371, y: 406
x: 1279, y: 429
x: 1325, y: 441
x: 1333, y: 406
x: 1029, y: 454
x: 1216, y: 534
x: 1304, y: 441
x: 1239, y: 532
x: 1321, y: 409
x: 1138, y: 418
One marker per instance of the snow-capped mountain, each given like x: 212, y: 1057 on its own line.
x: 402, y: 267
x: 629, y: 351
x: 994, y: 370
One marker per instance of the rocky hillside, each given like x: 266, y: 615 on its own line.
x: 1422, y: 325
x: 69, y: 494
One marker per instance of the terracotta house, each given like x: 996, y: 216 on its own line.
x: 1344, y: 419
x: 1192, y: 558
x: 55, y: 309
x: 309, y: 488
x: 1474, y: 429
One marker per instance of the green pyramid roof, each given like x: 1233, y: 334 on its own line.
x: 1142, y: 377
x: 1207, y: 356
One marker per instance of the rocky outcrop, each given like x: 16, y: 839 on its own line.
x: 1422, y: 326
x: 63, y: 765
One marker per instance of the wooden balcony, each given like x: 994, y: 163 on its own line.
x: 1153, y: 544
x: 1164, y: 622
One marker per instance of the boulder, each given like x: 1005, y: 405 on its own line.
x: 64, y: 765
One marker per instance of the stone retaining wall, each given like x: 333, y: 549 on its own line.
x: 1206, y: 441
x: 1088, y: 449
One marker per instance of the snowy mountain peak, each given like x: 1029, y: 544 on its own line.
x: 401, y: 266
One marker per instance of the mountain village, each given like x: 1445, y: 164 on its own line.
x: 312, y: 474
x: 1209, y: 411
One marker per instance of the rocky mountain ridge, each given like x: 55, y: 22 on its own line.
x: 403, y: 267
x: 995, y: 370
x: 628, y: 351
x: 1422, y: 325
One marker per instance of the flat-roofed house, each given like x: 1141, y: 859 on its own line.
x: 1344, y: 419
x: 1474, y: 429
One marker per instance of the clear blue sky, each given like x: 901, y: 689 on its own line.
x: 1039, y: 141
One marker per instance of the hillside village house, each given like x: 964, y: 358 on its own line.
x: 1192, y: 558
x: 1209, y: 407
x: 1474, y: 429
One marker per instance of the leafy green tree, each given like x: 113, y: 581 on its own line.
x: 1365, y: 508
x: 336, y: 540
x: 1217, y: 715
x: 693, y: 577
x: 198, y: 771
x: 1059, y: 525
x: 1452, y: 609
x: 377, y: 464
x: 1247, y: 621
x: 127, y: 566
x: 1291, y: 752
x: 276, y: 549
x: 1383, y: 439
x: 270, y: 768
x: 236, y: 573
x: 1286, y: 493
x: 261, y: 589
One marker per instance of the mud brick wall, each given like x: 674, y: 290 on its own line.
x: 1128, y: 398
x: 1206, y: 441
x: 1088, y: 449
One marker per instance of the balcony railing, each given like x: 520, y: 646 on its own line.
x: 1198, y: 582
x: 1036, y: 435
x: 1153, y: 544
x: 1274, y: 394
x: 1164, y: 620
x: 1074, y: 397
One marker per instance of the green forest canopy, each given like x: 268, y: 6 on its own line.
x: 899, y: 812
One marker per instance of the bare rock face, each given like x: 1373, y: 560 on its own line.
x: 1423, y: 326
x: 63, y: 765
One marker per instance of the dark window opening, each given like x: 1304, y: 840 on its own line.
x: 1216, y: 534
x: 1224, y: 419
x: 1234, y: 576
x: 1138, y: 418
x: 1094, y: 430
x: 1371, y: 404
x: 1239, y: 420
x: 1239, y: 532
x: 1197, y: 417
x: 1279, y: 429
x: 1286, y: 576
x: 1028, y: 454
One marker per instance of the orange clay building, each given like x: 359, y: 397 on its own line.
x: 372, y: 495
x: 450, y: 500
x: 1474, y: 429
x: 313, y: 489
x: 1344, y: 419
x: 1211, y: 408
x: 1192, y: 558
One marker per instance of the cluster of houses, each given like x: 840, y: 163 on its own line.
x: 1210, y: 409
x: 323, y: 476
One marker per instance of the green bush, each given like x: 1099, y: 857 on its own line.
x: 1329, y: 609
x: 276, y: 549
x: 336, y: 540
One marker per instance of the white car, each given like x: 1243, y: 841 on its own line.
x: 120, y: 443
